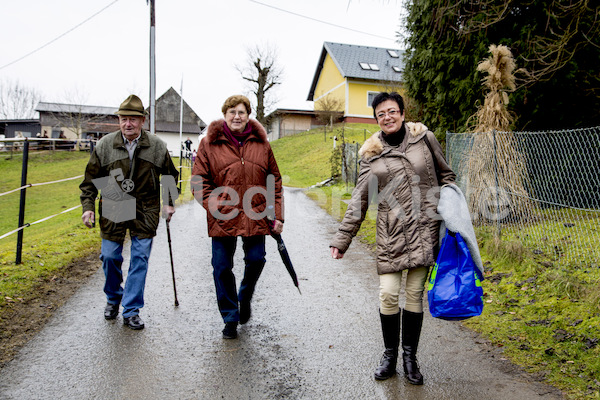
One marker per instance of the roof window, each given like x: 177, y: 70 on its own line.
x: 374, y: 67
x: 364, y: 65
x: 393, y: 54
x: 396, y: 68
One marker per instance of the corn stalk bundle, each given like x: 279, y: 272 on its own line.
x: 496, y: 171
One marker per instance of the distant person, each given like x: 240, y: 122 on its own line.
x: 62, y: 144
x: 405, y: 164
x: 188, y: 147
x: 126, y: 166
x: 235, y: 177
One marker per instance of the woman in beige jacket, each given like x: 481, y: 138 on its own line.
x: 404, y: 166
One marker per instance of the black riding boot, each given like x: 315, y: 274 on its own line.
x: 390, y: 326
x: 411, y: 332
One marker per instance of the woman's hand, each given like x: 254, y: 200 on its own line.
x: 336, y: 253
x: 277, y: 226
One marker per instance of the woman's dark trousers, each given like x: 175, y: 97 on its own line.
x: 223, y: 250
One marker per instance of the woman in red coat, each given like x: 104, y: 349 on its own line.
x: 236, y: 179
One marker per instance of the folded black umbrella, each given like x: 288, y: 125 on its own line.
x: 285, y: 257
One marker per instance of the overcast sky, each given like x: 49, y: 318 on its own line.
x: 97, y: 52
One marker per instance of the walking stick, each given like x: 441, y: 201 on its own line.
x: 172, y: 268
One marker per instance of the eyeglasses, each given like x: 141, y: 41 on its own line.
x: 233, y: 113
x: 391, y: 113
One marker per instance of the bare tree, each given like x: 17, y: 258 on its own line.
x: 263, y: 72
x: 17, y: 101
x: 329, y: 109
x: 75, y: 115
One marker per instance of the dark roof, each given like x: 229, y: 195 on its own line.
x: 75, y: 108
x: 289, y: 111
x: 378, y: 63
x: 20, y: 121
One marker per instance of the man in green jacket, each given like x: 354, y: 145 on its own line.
x: 125, y: 166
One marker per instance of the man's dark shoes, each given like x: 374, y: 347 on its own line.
x: 245, y: 312
x: 230, y: 330
x: 134, y: 322
x: 111, y: 311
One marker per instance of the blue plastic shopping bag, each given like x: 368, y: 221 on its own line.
x: 454, y: 290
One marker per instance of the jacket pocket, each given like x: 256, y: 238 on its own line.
x: 149, y: 218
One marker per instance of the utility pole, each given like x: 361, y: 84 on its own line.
x: 181, y: 133
x: 152, y: 69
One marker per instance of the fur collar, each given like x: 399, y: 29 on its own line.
x: 374, y: 146
x: 215, y: 131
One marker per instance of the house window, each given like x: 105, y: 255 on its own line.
x: 393, y: 54
x: 370, y: 97
x: 365, y: 65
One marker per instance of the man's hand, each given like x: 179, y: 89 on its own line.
x: 336, y: 253
x: 89, y: 218
x: 167, y: 212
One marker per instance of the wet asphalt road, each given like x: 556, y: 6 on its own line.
x: 323, y: 344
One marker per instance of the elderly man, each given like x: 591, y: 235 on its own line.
x: 125, y: 166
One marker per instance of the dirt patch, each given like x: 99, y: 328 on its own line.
x: 20, y: 321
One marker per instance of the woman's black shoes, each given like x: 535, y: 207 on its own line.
x: 411, y: 369
x: 387, y: 365
x: 411, y: 333
x: 230, y: 330
x: 390, y: 327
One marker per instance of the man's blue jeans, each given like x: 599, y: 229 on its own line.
x: 132, y: 298
x: 223, y: 249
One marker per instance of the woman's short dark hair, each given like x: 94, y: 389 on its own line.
x: 383, y: 96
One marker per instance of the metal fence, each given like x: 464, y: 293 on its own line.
x: 540, y: 188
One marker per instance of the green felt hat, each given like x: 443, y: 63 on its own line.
x: 132, y: 106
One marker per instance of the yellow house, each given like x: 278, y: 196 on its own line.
x: 348, y: 77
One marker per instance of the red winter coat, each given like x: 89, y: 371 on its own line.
x: 226, y: 177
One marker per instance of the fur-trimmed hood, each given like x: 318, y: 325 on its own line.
x: 374, y: 146
x: 215, y: 131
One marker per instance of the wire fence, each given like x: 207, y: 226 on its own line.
x: 13, y: 147
x: 23, y: 147
x: 540, y: 188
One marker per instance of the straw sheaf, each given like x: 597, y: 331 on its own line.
x: 494, y: 163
